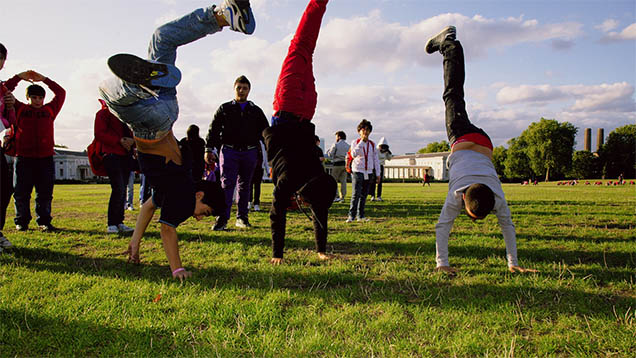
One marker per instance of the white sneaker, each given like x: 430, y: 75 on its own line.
x: 372, y: 198
x: 130, y: 208
x: 257, y: 208
x: 349, y: 220
x: 249, y: 206
x: 379, y: 198
x: 5, y: 243
x: 337, y: 200
x: 123, y: 228
x: 112, y: 229
x: 364, y: 219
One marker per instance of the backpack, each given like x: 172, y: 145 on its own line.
x: 96, y: 158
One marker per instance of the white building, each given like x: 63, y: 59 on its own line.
x: 71, y: 165
x: 414, y: 166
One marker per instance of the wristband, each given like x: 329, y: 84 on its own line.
x: 180, y: 269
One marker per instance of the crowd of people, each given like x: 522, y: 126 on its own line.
x: 196, y: 178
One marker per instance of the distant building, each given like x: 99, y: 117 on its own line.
x: 414, y: 165
x: 70, y: 165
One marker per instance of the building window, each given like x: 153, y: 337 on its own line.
x: 61, y: 172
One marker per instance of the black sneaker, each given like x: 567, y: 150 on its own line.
x: 22, y: 227
x: 136, y: 70
x: 243, y: 223
x: 48, y: 228
x: 434, y: 43
x: 220, y: 225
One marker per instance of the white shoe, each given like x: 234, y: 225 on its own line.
x: 337, y: 200
x: 372, y: 198
x: 112, y: 229
x: 123, y: 228
x: 379, y: 198
x: 257, y: 208
x: 249, y: 206
x: 5, y: 243
x: 349, y: 220
x: 363, y: 219
x: 130, y: 208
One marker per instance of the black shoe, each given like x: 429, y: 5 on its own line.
x: 434, y: 43
x: 136, y: 70
x: 48, y: 228
x: 220, y: 225
x: 243, y: 223
x: 22, y: 227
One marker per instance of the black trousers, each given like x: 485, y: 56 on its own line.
x: 457, y: 123
x: 318, y: 192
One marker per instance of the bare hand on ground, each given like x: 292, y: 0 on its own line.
x: 520, y: 269
x: 182, y: 275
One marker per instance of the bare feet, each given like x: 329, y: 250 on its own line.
x: 276, y: 261
x: 520, y: 269
x: 447, y: 269
x: 324, y: 257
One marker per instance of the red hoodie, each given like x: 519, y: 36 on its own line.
x: 34, y: 134
x: 109, y: 130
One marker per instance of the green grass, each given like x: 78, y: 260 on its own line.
x: 73, y: 294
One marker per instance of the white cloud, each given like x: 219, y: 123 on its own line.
x: 607, y: 25
x: 628, y: 34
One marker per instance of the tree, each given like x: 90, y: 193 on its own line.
x: 550, y: 146
x: 584, y: 165
x: 499, y: 158
x: 436, y: 147
x: 517, y: 164
x: 619, y: 152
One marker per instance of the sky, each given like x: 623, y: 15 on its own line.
x: 567, y: 60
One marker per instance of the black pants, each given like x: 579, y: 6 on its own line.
x: 374, y: 182
x: 318, y: 192
x: 257, y: 179
x: 118, y: 168
x: 29, y: 173
x: 457, y: 123
x: 6, y: 189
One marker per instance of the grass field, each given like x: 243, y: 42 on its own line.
x: 73, y: 294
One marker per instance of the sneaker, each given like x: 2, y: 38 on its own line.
x: 243, y: 223
x: 372, y: 198
x: 124, y: 229
x: 257, y: 207
x: 337, y: 200
x: 22, y: 227
x: 379, y: 198
x: 48, y: 228
x: 220, y: 225
x: 435, y: 42
x: 249, y: 206
x: 112, y: 229
x: 349, y: 220
x: 136, y: 70
x: 130, y: 208
x: 238, y: 14
x: 363, y: 219
x: 5, y: 243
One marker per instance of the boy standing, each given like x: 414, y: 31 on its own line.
x: 365, y: 163
x: 290, y: 141
x: 34, y: 142
x: 474, y: 183
x: 144, y: 96
x: 7, y: 116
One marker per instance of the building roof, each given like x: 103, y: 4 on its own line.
x: 59, y: 151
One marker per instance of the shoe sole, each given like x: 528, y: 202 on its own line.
x: 431, y: 47
x: 241, y: 20
x: 136, y: 70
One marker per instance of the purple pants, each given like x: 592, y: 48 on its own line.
x: 237, y: 168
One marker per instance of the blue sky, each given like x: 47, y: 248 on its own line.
x: 572, y: 61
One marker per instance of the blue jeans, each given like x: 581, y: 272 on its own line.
x: 29, y: 173
x: 118, y: 169
x: 150, y: 117
x: 359, y: 196
x: 130, y: 190
x: 237, y: 168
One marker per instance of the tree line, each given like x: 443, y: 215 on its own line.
x: 545, y: 150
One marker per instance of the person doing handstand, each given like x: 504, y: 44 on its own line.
x: 473, y: 183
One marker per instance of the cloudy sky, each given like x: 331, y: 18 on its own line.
x: 572, y: 61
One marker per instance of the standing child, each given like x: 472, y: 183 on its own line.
x: 365, y: 162
x: 7, y: 116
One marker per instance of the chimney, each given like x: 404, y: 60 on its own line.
x: 600, y: 139
x: 587, y: 141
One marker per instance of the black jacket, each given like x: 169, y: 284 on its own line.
x: 236, y: 127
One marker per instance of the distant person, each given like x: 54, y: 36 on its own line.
x: 319, y: 152
x: 33, y: 166
x: 426, y: 179
x: 257, y: 178
x: 197, y: 147
x: 117, y: 144
x: 130, y: 189
x: 338, y: 155
x: 384, y: 154
x: 144, y: 96
x: 365, y: 163
x: 7, y: 116
x: 290, y: 141
x: 235, y: 135
x: 474, y: 183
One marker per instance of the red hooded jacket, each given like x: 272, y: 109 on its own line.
x: 109, y: 130
x: 34, y: 134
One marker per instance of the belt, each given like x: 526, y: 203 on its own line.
x: 240, y: 148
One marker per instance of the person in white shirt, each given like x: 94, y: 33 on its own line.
x: 365, y: 161
x: 473, y: 183
x: 338, y: 155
